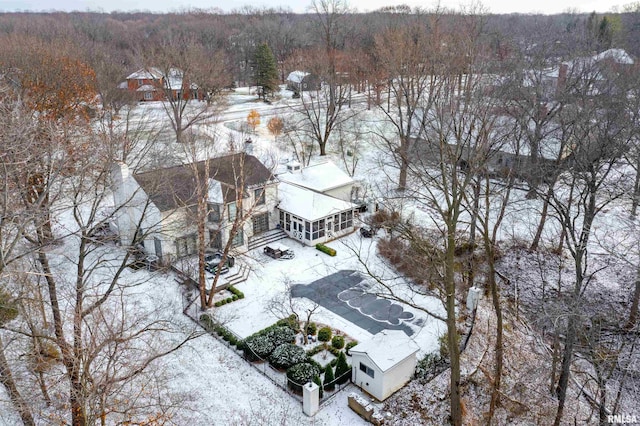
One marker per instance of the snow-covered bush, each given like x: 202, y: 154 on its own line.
x: 281, y: 335
x: 300, y: 374
x: 258, y: 347
x: 284, y: 356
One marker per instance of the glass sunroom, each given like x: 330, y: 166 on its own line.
x: 312, y: 217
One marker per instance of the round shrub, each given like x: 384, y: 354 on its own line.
x: 300, y: 374
x: 284, y: 356
x: 258, y: 347
x: 312, y: 328
x: 281, y: 335
x: 324, y: 334
x: 337, y: 342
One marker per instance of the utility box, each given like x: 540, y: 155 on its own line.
x: 475, y: 293
x: 310, y: 399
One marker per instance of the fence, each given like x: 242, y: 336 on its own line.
x: 277, y: 377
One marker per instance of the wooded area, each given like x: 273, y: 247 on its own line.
x: 474, y: 106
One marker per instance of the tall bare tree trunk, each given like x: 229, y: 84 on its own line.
x: 452, y: 331
x: 6, y: 378
x: 633, y: 312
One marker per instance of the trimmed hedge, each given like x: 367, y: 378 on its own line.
x: 209, y: 325
x: 286, y: 355
x: 337, y: 342
x: 301, y: 374
x: 324, y: 334
x: 237, y: 295
x: 350, y: 345
x: 258, y: 347
x: 326, y: 249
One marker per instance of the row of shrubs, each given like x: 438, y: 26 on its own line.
x: 276, y: 344
x: 209, y: 325
x: 326, y: 249
x: 237, y: 295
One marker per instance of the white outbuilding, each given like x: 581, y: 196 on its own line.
x: 384, y: 363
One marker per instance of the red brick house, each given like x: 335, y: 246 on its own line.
x: 151, y: 84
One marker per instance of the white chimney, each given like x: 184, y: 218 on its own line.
x: 294, y: 167
x: 248, y: 146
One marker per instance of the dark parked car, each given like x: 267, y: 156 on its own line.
x: 213, y: 260
x: 279, y: 252
x: 367, y: 232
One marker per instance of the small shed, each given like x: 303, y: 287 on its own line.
x: 384, y: 363
x: 301, y: 81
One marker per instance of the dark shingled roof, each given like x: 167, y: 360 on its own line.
x: 175, y: 187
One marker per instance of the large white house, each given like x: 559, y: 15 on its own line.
x: 314, y: 202
x: 157, y: 209
x: 384, y: 363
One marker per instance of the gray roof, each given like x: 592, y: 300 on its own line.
x: 175, y: 187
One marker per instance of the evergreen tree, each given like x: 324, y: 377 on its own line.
x: 342, y: 368
x: 329, y: 385
x: 266, y: 71
x: 317, y: 381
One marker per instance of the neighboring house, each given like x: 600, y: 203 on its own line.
x: 384, y: 363
x: 162, y: 204
x: 146, y: 83
x: 593, y: 70
x: 314, y: 202
x: 300, y: 81
x: 151, y: 84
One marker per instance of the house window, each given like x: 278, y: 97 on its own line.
x: 214, y: 213
x: 367, y: 370
x: 186, y: 245
x: 259, y: 196
x: 307, y: 231
x: 238, y: 239
x: 260, y: 223
x: 140, y: 82
x: 148, y: 96
x: 318, y: 229
x: 287, y: 222
x: 233, y: 210
x: 215, y: 239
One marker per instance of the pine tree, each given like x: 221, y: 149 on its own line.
x: 342, y: 368
x: 266, y: 71
x: 329, y: 384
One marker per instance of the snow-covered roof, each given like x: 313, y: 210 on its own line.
x: 309, y: 205
x: 145, y: 73
x: 320, y: 177
x: 297, y: 76
x: 619, y: 56
x: 146, y: 88
x: 387, y: 348
x: 123, y: 85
